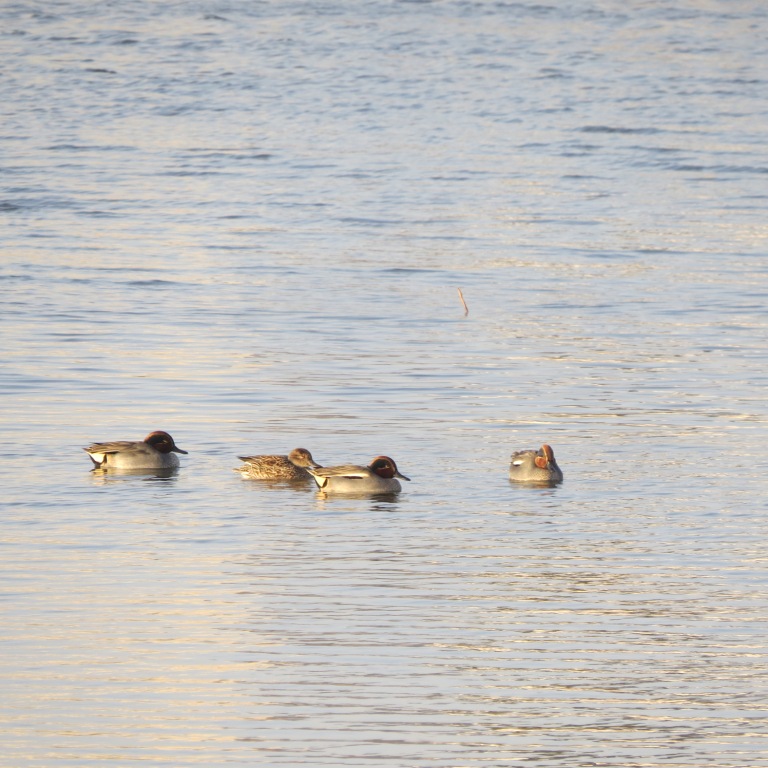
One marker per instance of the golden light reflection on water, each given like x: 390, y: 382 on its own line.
x: 248, y: 228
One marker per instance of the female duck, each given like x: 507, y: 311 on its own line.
x: 291, y: 467
x: 535, y: 467
x: 156, y: 451
x: 380, y: 476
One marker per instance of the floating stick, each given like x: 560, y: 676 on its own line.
x: 461, y: 296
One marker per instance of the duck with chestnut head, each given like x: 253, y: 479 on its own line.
x: 380, y: 476
x: 535, y: 467
x: 156, y: 451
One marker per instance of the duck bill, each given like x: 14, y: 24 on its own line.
x: 402, y: 477
x: 176, y: 449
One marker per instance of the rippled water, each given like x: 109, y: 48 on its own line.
x: 247, y: 223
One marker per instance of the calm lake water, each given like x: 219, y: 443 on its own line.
x: 246, y: 223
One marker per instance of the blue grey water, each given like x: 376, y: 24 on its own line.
x: 247, y: 223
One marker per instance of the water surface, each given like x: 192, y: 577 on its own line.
x: 246, y: 223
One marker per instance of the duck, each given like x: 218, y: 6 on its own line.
x: 290, y: 467
x: 380, y: 476
x: 156, y: 451
x: 535, y: 467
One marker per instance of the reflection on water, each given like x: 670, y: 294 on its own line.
x: 105, y: 476
x: 379, y: 501
x: 250, y: 226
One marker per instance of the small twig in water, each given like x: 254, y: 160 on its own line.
x: 461, y: 296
